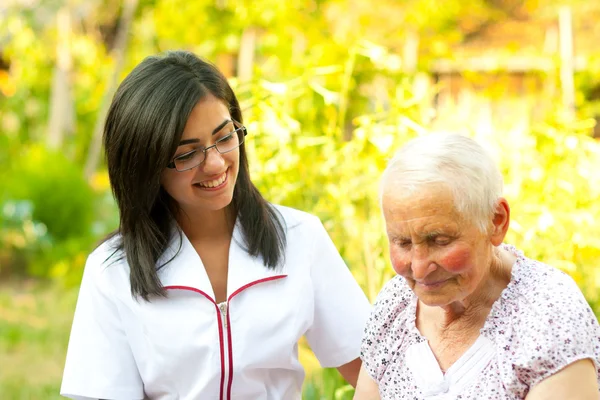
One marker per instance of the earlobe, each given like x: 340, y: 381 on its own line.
x: 500, y: 222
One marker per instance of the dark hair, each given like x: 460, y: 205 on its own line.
x: 143, y: 128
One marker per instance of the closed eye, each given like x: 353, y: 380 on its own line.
x: 402, y: 242
x: 186, y: 156
x: 226, y: 138
x: 440, y: 240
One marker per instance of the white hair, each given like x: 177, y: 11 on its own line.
x: 456, y: 161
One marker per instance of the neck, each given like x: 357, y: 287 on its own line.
x: 200, y: 225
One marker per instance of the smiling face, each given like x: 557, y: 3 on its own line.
x: 442, y: 255
x: 209, y: 186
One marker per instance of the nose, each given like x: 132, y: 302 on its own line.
x: 421, y: 264
x: 213, y: 161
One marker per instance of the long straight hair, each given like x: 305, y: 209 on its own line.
x: 143, y: 128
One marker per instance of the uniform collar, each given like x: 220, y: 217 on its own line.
x: 186, y: 269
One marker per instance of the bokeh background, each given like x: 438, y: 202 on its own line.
x: 329, y: 88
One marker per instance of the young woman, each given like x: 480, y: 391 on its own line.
x: 206, y: 288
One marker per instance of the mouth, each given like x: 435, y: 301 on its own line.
x: 213, y: 184
x: 432, y: 285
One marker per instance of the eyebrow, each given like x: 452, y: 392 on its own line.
x: 427, y: 236
x: 215, y: 131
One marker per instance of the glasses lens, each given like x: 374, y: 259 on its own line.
x: 231, y: 141
x: 224, y: 145
x: 189, y: 160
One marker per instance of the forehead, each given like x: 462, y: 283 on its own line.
x: 430, y: 206
x: 206, y: 115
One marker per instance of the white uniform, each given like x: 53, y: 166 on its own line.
x: 187, y: 346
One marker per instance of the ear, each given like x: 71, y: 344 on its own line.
x: 500, y: 222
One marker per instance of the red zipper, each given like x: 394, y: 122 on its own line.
x: 228, y: 327
x: 220, y: 324
x: 271, y: 278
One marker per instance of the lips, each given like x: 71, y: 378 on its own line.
x: 432, y: 284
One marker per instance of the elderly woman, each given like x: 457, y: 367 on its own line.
x: 468, y: 317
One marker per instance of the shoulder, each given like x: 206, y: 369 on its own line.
x: 106, y: 251
x: 551, y: 325
x: 309, y: 241
x: 392, y: 308
x: 395, y: 296
x: 388, y: 326
x: 541, y: 291
x: 106, y: 267
x: 294, y: 218
x: 301, y: 227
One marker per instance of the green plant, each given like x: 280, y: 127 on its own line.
x: 327, y: 385
x: 21, y: 237
x: 48, y: 211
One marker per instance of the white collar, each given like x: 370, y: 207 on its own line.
x: 186, y: 268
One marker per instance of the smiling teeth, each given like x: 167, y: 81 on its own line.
x: 214, y: 183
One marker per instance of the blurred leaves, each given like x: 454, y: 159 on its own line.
x: 328, y: 97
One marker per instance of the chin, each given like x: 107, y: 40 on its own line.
x: 436, y: 299
x: 208, y: 205
x: 219, y: 205
x: 433, y: 302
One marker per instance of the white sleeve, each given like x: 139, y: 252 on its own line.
x: 99, y: 364
x: 341, y: 307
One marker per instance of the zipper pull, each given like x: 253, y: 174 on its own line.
x: 223, y: 308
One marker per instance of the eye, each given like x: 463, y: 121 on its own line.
x: 186, y: 156
x: 402, y: 242
x: 226, y: 138
x: 442, y: 240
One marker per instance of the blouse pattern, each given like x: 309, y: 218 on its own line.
x: 540, y: 324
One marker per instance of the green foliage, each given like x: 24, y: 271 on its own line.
x: 62, y: 199
x: 48, y: 211
x: 21, y: 237
x: 24, y: 95
x: 311, y: 167
x: 554, y: 189
x: 326, y: 107
x: 34, y: 328
x: 329, y: 385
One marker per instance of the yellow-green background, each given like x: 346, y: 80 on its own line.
x: 329, y: 91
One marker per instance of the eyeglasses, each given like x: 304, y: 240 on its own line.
x: 192, y: 159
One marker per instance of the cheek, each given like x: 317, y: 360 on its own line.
x: 233, y: 159
x: 457, y: 259
x: 400, y: 260
x: 175, y: 183
x: 236, y: 166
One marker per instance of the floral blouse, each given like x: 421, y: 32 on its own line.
x: 540, y: 324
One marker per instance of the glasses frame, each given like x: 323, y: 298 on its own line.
x: 239, y: 126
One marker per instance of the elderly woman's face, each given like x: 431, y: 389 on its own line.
x: 442, y: 256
